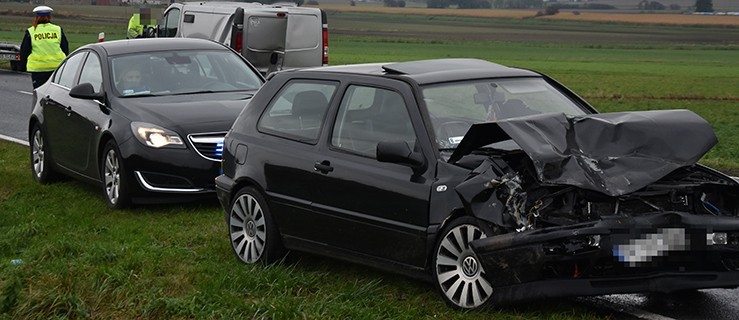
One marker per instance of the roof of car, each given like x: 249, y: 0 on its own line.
x: 432, y: 71
x: 155, y: 44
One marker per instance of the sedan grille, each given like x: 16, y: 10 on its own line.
x: 208, y: 145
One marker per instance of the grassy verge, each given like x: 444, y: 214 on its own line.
x: 82, y: 260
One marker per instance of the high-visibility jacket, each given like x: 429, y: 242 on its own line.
x: 135, y: 28
x: 46, y: 52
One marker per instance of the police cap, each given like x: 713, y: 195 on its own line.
x: 43, y: 10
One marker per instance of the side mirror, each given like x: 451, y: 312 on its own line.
x: 399, y: 152
x: 85, y: 91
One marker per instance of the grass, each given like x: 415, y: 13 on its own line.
x: 82, y: 260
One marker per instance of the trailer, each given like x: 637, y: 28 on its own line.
x: 12, y: 52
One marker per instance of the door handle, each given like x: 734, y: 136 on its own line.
x: 323, y: 167
x: 68, y: 108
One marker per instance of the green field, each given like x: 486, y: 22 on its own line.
x: 83, y: 260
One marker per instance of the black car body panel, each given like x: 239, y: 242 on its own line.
x: 556, y: 220
x: 613, y: 153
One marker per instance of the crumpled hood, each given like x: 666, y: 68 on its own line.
x: 188, y: 113
x: 613, y: 153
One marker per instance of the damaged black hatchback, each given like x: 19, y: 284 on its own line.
x: 495, y: 183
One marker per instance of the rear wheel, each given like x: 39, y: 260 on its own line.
x: 40, y: 157
x: 116, y: 186
x: 252, y: 231
x: 458, y: 274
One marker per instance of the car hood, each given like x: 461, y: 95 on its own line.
x: 612, y: 153
x: 209, y: 112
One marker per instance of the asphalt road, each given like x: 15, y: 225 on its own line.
x: 15, y: 108
x: 15, y: 104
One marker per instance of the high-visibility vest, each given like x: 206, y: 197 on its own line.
x: 46, y: 52
x: 135, y: 28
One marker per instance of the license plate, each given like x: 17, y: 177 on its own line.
x: 8, y: 56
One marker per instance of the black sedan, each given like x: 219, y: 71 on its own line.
x: 144, y: 118
x: 494, y: 183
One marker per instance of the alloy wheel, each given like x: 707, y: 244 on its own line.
x: 248, y: 231
x: 37, y: 155
x: 459, y: 273
x: 112, y: 174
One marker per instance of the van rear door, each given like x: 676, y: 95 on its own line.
x: 303, y: 38
x: 264, y: 34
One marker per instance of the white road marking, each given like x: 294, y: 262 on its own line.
x: 632, y: 311
x: 11, y: 139
x: 26, y: 92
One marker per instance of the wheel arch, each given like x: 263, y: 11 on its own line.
x: 104, y: 138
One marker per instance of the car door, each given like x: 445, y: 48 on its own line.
x: 71, y: 122
x: 89, y: 116
x: 363, y: 205
x: 289, y: 129
x: 62, y: 124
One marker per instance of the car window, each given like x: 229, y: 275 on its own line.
x: 92, y: 73
x: 67, y: 77
x: 299, y: 109
x: 368, y: 116
x: 182, y: 72
x: 171, y: 21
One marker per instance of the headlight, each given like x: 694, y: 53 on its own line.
x: 156, y: 136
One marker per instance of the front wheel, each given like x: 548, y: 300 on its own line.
x: 116, y: 187
x: 458, y: 274
x: 252, y: 231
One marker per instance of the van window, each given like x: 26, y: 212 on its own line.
x: 171, y: 21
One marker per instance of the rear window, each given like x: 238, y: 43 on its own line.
x: 298, y: 111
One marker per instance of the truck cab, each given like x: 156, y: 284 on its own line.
x: 272, y: 37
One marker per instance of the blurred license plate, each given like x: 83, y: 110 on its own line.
x: 8, y: 56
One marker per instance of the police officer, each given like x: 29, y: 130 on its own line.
x: 44, y: 47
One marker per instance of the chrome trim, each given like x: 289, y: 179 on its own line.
x: 149, y: 187
x: 209, y: 137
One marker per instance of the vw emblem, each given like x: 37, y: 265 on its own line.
x: 469, y: 266
x: 251, y: 228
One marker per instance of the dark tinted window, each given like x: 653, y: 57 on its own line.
x: 370, y: 115
x: 66, y: 78
x: 92, y: 72
x: 299, y: 109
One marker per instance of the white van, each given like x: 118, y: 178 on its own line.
x: 272, y: 37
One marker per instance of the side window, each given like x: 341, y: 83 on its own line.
x: 299, y: 109
x: 92, y: 73
x: 171, y: 21
x: 66, y: 78
x: 370, y: 115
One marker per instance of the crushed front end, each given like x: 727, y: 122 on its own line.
x: 574, y: 217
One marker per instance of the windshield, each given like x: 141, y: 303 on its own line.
x: 181, y: 72
x: 454, y: 107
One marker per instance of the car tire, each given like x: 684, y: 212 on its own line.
x: 40, y: 157
x: 252, y: 231
x: 116, y: 180
x: 457, y: 272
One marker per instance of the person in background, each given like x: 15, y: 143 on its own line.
x: 135, y: 28
x: 138, y: 24
x: 44, y: 47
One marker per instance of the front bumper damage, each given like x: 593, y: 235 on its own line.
x: 657, y: 252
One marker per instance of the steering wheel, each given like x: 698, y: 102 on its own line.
x: 448, y: 130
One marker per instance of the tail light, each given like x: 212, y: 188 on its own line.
x: 239, y: 41
x: 325, y: 44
